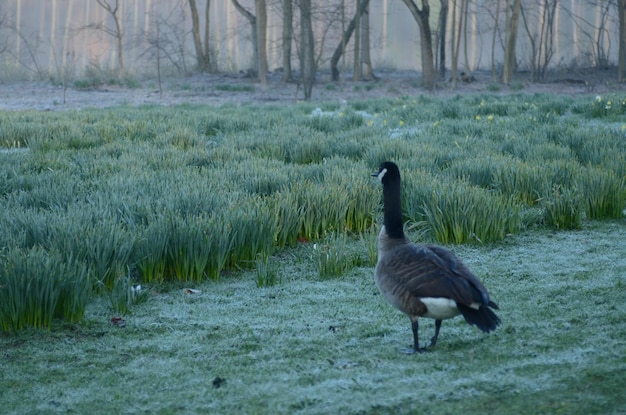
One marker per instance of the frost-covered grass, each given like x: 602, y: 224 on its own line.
x: 271, y: 212
x: 188, y: 193
x: 315, y: 346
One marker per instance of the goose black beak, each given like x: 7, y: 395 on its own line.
x: 375, y: 174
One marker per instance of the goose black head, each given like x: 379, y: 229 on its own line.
x: 388, y: 170
x: 389, y: 176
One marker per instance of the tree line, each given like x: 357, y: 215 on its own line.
x: 337, y: 32
x: 451, y: 12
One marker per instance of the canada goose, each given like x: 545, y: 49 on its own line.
x: 424, y: 280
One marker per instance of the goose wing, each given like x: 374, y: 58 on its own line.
x: 434, y: 271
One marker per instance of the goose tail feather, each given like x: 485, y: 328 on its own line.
x: 483, y: 318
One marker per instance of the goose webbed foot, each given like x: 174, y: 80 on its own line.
x: 412, y: 350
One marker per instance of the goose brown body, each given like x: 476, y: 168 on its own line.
x: 425, y: 280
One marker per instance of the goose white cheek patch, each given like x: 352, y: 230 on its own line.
x: 382, y: 174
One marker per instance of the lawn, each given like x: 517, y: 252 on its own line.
x: 333, y: 346
x: 251, y: 231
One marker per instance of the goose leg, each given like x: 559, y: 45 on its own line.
x: 416, y: 344
x: 415, y: 327
x: 433, y: 341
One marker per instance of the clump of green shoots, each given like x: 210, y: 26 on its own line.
x: 198, y: 247
x: 251, y: 229
x: 604, y: 194
x: 563, y: 209
x: 267, y: 271
x: 37, y: 286
x: 121, y: 294
x: 124, y: 294
x: 459, y: 213
x: 369, y: 243
x: 527, y: 182
x: 151, y: 252
x: 333, y: 256
x: 287, y: 217
x: 106, y: 249
x: 323, y: 209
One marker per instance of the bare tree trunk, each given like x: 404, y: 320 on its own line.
x: 201, y: 59
x: 231, y: 44
x: 356, y: 72
x: 53, y: 30
x: 601, y: 34
x: 366, y: 59
x: 307, y: 58
x: 557, y: 24
x: 18, y: 29
x: 542, y: 36
x: 138, y: 43
x: 255, y: 44
x: 287, y: 37
x: 496, y: 28
x: 207, y: 47
x: 468, y: 69
x: 550, y: 47
x: 118, y: 34
x: 513, y: 12
x: 456, y: 42
x: 576, y: 36
x: 119, y: 38
x: 421, y: 17
x: 542, y: 39
x: 261, y: 27
x: 158, y: 50
x: 342, y: 45
x: 443, y: 22
x: 533, y: 45
x: 385, y: 27
x: 474, y: 62
x: 621, y: 64
x: 195, y: 30
x: 65, y: 69
x: 340, y: 49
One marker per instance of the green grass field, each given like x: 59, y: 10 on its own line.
x: 270, y: 213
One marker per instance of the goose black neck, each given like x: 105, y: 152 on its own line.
x: 393, y: 208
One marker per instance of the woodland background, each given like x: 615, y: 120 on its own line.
x: 446, y: 40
